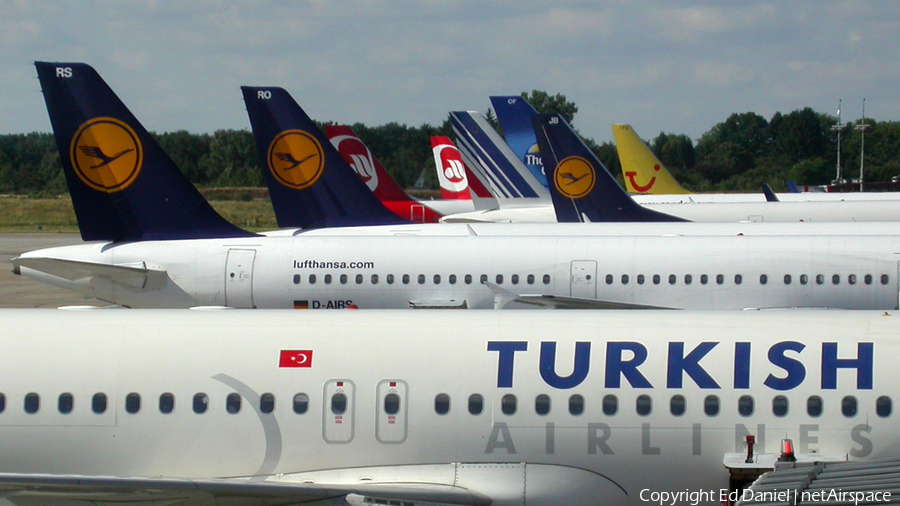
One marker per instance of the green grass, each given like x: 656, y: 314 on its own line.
x: 53, y: 215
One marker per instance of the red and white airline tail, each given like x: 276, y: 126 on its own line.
x: 364, y: 163
x: 457, y: 180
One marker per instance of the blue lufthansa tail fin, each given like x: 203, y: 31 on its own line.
x: 310, y: 184
x: 123, y: 186
x: 792, y: 187
x: 581, y: 187
x: 514, y: 114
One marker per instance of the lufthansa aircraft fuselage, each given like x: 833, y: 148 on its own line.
x: 454, y: 266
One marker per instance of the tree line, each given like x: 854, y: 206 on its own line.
x: 734, y: 155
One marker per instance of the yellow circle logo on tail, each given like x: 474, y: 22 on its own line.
x: 575, y: 177
x: 106, y: 154
x: 296, y: 159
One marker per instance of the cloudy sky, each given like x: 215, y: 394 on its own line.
x: 678, y: 67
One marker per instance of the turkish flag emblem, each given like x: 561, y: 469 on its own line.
x: 295, y: 358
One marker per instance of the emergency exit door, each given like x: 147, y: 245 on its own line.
x: 584, y: 279
x: 239, y: 278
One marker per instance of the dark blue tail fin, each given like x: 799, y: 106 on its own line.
x: 514, y: 114
x: 792, y: 187
x: 123, y: 186
x: 310, y: 184
x: 767, y: 191
x: 581, y: 187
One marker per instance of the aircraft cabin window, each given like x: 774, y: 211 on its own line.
x: 688, y: 279
x: 166, y: 403
x: 884, y: 279
x: 442, y: 404
x: 704, y: 279
x: 711, y: 405
x: 2, y: 403
x: 133, y: 403
x: 836, y: 279
x: 677, y: 405
x: 814, y: 406
x: 327, y: 279
x: 745, y: 405
x: 804, y: 279
x: 451, y: 279
x: 201, y: 403
x: 421, y: 279
x: 787, y: 279
x: 406, y: 279
x: 390, y: 279
x: 738, y: 279
x: 374, y: 279
x: 624, y: 279
x: 820, y: 279
x: 656, y: 279
x: 672, y: 279
x: 779, y: 405
x: 32, y: 403
x: 233, y: 403
x: 576, y: 405
x: 530, y: 279
x: 392, y: 404
x: 437, y: 279
x: 514, y: 279
x: 65, y: 403
x: 851, y: 279
x: 499, y: 279
x: 763, y: 279
x: 640, y: 279
x: 339, y: 404
x: 508, y: 404
x: 296, y: 279
x: 483, y: 279
x: 720, y: 279
x: 301, y: 403
x: 643, y: 404
x: 848, y: 406
x: 542, y: 404
x: 546, y: 279
x: 609, y: 279
x: 476, y: 404
x: 610, y: 404
x: 468, y: 279
x: 343, y: 279
x: 868, y: 279
x: 312, y: 279
x: 359, y: 279
x: 883, y: 406
x: 267, y: 403
x: 98, y: 403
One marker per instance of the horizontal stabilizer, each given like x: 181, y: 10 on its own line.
x: 505, y: 299
x: 135, y: 276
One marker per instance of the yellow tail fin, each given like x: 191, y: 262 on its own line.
x: 643, y: 172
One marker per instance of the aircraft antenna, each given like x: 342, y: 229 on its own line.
x: 862, y: 126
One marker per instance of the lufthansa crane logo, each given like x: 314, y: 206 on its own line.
x: 106, y: 154
x: 296, y: 159
x: 575, y: 177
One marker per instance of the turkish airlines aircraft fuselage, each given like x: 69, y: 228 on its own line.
x: 540, y: 407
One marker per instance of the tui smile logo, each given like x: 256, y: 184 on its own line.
x: 574, y: 177
x: 296, y: 159
x: 106, y: 154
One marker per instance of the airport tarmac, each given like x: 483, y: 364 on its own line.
x: 16, y: 291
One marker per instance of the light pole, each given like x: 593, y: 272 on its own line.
x: 862, y: 126
x: 838, y: 127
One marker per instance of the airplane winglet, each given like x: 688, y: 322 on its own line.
x: 123, y: 186
x: 767, y: 191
